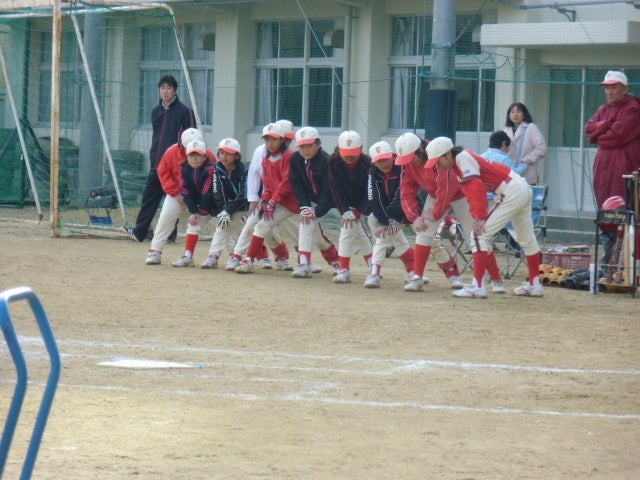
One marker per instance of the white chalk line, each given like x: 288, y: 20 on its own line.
x: 398, y: 365
x: 357, y: 403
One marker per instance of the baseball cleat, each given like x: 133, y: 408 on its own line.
x: 232, y: 263
x: 373, y: 280
x: 528, y: 290
x: 471, y: 291
x: 415, y: 284
x: 210, y: 262
x: 498, y: 286
x: 183, y: 261
x: 302, y: 271
x: 246, y: 266
x: 343, y: 275
x: 153, y: 257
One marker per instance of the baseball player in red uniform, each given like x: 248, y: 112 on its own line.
x: 443, y: 193
x: 278, y: 201
x: 477, y: 177
x: 169, y: 173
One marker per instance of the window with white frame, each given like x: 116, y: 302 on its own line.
x: 574, y: 90
x: 297, y: 77
x: 410, y: 66
x: 160, y: 56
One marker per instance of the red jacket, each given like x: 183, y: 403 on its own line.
x: 478, y: 176
x: 616, y: 130
x: 438, y: 183
x: 275, y: 180
x: 170, y: 171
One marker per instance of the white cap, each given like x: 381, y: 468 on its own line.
x: 287, y: 126
x: 436, y: 148
x: 272, y: 130
x: 406, y: 145
x: 349, y: 144
x: 613, y: 77
x: 229, y: 145
x: 306, y: 135
x: 197, y: 146
x: 380, y: 151
x: 189, y: 135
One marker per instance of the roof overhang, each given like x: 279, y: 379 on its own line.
x: 623, y: 34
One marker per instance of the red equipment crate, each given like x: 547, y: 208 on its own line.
x: 568, y: 260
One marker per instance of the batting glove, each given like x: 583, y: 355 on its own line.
x: 309, y: 212
x: 420, y: 224
x: 348, y: 219
x: 478, y: 227
x: 268, y: 209
x: 224, y: 220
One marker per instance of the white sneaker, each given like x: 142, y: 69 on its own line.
x: 266, y: 263
x: 343, y: 275
x: 416, y: 284
x: 283, y: 264
x: 302, y: 271
x: 210, y: 262
x: 183, y: 262
x: 498, y: 286
x: 153, y: 257
x: 528, y: 290
x: 335, y: 266
x: 246, y: 266
x: 409, y: 276
x: 471, y: 291
x: 315, y: 268
x: 372, y: 281
x: 232, y: 263
x: 456, y: 282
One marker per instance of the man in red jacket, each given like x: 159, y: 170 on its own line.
x: 615, y: 127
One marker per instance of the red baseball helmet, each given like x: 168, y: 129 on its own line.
x: 613, y: 203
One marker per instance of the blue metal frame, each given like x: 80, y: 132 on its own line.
x: 25, y: 293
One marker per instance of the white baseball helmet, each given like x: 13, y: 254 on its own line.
x: 406, y: 145
x: 349, y: 143
x: 438, y: 147
x: 190, y: 135
x: 229, y: 145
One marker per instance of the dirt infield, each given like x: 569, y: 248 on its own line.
x: 305, y: 379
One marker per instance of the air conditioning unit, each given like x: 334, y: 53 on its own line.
x: 333, y: 38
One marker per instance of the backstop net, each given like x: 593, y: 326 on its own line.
x: 103, y: 101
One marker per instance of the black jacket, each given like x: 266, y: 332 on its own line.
x: 230, y: 189
x: 310, y: 182
x: 168, y: 124
x: 384, y: 195
x: 197, y: 187
x: 349, y: 187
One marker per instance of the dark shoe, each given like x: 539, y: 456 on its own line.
x: 131, y: 232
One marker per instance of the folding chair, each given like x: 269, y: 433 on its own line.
x: 506, y: 240
x: 451, y: 229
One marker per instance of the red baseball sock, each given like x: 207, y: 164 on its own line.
x: 449, y: 268
x: 533, y: 264
x: 408, y: 259
x: 479, y: 266
x: 421, y: 254
x: 190, y: 243
x: 255, y: 247
x: 492, y: 267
